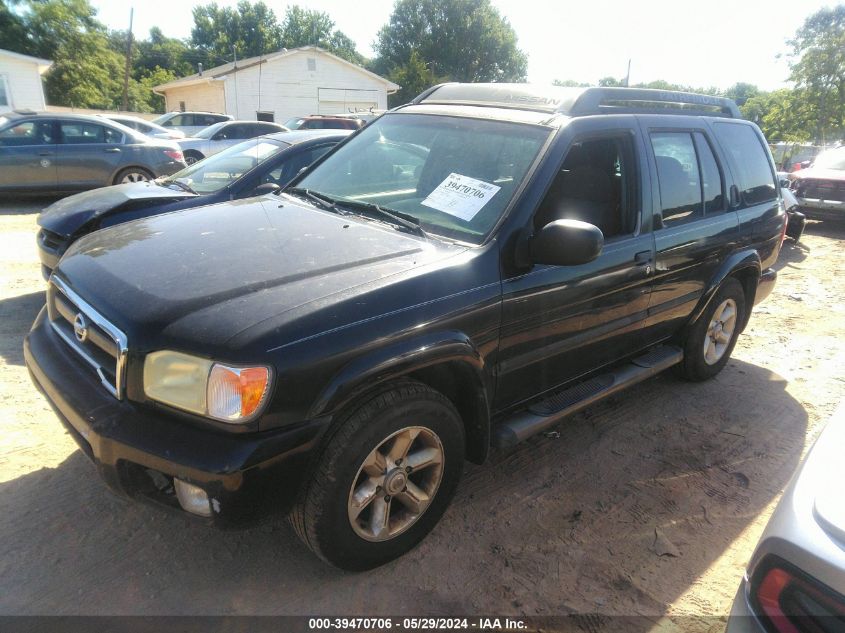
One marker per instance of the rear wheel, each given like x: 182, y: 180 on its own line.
x: 713, y: 336
x: 192, y: 157
x: 384, y: 479
x: 132, y: 174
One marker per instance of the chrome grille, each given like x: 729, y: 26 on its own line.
x: 822, y: 189
x: 100, y: 344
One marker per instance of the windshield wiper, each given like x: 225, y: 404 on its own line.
x: 407, y: 222
x: 182, y: 185
x: 319, y: 199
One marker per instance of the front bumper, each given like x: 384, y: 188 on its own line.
x: 138, y: 452
x: 818, y: 209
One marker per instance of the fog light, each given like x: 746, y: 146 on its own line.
x: 192, y: 498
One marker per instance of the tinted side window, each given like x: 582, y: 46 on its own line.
x: 285, y: 172
x: 678, y: 175
x: 711, y: 178
x: 80, y: 133
x: 27, y: 133
x: 753, y: 173
x: 595, y: 184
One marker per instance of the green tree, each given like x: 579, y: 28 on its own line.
x: 818, y: 69
x: 459, y: 40
x: 86, y: 72
x: 413, y: 77
x: 306, y: 27
x: 246, y: 31
x: 13, y: 29
x: 162, y: 52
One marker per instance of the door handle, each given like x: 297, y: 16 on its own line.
x: 112, y: 150
x: 45, y: 153
x: 643, y: 257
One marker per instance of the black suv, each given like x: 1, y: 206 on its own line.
x: 464, y: 272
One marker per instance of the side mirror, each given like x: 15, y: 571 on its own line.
x: 267, y: 187
x: 566, y: 243
x: 220, y: 136
x: 784, y: 182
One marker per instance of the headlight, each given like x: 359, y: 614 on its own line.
x: 222, y: 392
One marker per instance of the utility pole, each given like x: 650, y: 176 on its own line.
x: 128, y: 61
x: 235, y: 75
x: 628, y: 76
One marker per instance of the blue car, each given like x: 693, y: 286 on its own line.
x: 254, y: 167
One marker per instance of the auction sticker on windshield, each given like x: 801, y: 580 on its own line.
x: 461, y: 196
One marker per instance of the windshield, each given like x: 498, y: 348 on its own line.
x: 161, y: 119
x: 831, y: 159
x: 295, y: 123
x: 455, y: 175
x: 210, y: 131
x: 214, y: 173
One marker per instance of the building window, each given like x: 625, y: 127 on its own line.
x: 312, y: 63
x: 269, y: 117
x: 181, y: 106
x: 5, y: 95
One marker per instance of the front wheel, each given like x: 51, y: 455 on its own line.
x: 711, y: 339
x: 384, y: 479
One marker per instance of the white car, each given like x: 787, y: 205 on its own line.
x: 190, y: 122
x: 795, y: 581
x: 147, y: 128
x: 219, y: 136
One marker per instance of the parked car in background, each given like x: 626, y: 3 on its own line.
x: 190, y: 122
x: 820, y: 189
x: 58, y: 153
x: 153, y: 130
x: 325, y: 122
x: 790, y: 157
x: 252, y: 167
x: 795, y: 580
x: 465, y: 272
x: 221, y: 135
x: 796, y: 220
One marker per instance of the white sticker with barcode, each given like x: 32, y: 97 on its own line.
x: 461, y: 196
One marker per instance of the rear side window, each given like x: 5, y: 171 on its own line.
x: 73, y: 133
x: 749, y: 161
x: 688, y: 175
x: 678, y: 175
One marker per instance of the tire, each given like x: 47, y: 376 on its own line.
x: 133, y: 174
x: 700, y: 362
x: 327, y: 516
x: 192, y: 157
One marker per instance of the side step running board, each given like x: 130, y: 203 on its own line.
x: 552, y: 410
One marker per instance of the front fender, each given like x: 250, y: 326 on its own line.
x: 365, y: 373
x: 743, y: 264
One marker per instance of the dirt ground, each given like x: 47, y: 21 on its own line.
x: 559, y: 525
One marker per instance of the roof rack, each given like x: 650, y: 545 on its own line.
x: 580, y: 101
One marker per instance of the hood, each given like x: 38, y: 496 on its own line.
x: 66, y: 216
x: 819, y: 174
x: 198, y: 277
x: 191, y: 143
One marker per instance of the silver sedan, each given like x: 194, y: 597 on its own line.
x: 795, y: 581
x: 221, y: 135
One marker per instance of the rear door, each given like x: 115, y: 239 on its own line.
x: 694, y: 227
x: 28, y: 155
x: 88, y: 154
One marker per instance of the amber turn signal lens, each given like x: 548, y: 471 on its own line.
x: 236, y: 393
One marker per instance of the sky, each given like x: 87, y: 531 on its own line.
x: 713, y: 43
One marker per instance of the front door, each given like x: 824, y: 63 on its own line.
x: 28, y: 156
x: 561, y: 322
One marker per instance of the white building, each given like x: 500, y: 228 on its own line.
x: 20, y: 81
x: 279, y: 86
